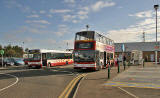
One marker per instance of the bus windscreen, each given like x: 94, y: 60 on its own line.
x: 88, y: 35
x: 84, y: 55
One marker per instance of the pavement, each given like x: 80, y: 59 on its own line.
x: 134, y: 82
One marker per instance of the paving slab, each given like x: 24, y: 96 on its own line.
x: 136, y: 76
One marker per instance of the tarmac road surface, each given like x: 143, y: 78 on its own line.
x: 34, y: 83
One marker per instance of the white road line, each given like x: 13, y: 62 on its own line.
x: 12, y: 83
x: 128, y: 92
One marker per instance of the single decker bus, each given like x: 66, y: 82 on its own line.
x: 43, y: 57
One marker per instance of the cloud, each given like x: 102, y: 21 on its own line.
x: 133, y: 33
x: 60, y: 11
x: 42, y: 11
x: 38, y: 26
x: 83, y: 11
x: 49, y: 15
x: 62, y: 29
x: 69, y: 1
x: 33, y: 16
x: 68, y: 17
x: 38, y: 21
x: 101, y: 4
x: 143, y: 14
x: 15, y: 4
x: 78, y: 16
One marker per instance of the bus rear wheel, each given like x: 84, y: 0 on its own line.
x: 66, y: 62
x: 49, y: 64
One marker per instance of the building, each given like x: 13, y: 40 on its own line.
x: 148, y: 49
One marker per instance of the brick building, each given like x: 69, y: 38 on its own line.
x: 148, y: 49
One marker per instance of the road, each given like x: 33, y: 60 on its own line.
x: 35, y: 83
x: 20, y: 82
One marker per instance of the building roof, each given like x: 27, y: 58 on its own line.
x: 141, y: 46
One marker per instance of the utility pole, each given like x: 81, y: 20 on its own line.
x: 67, y: 46
x: 143, y: 36
x: 156, y: 46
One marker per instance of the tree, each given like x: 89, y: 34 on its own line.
x: 1, y: 47
x: 26, y: 50
x: 13, y: 51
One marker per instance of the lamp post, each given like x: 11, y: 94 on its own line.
x: 87, y: 26
x: 23, y: 47
x: 156, y: 8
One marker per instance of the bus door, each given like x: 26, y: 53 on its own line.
x: 44, y: 59
x: 97, y: 58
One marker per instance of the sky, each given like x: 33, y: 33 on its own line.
x: 51, y: 24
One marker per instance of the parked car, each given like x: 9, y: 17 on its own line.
x: 9, y: 61
x: 15, y: 61
x: 18, y: 61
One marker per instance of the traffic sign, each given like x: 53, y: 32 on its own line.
x: 1, y: 52
x: 123, y: 47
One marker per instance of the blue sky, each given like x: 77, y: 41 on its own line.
x: 51, y: 24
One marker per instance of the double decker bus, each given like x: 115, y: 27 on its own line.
x: 91, y: 50
x: 42, y: 57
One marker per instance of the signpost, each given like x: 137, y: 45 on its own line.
x: 123, y: 50
x: 2, y: 52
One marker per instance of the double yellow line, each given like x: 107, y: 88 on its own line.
x: 70, y: 86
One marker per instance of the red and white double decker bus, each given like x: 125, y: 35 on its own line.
x: 91, y: 50
x: 42, y: 57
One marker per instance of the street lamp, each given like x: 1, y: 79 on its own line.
x: 156, y: 8
x: 87, y: 26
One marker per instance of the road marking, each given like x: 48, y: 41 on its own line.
x: 67, y: 95
x: 11, y: 84
x: 136, y: 85
x: 128, y: 92
x: 74, y: 96
x: 61, y: 96
x: 70, y: 86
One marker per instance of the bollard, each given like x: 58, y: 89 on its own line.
x: 129, y: 63
x: 108, y: 71
x: 118, y: 68
x: 124, y: 64
x: 143, y: 63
